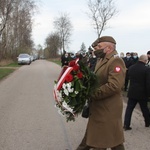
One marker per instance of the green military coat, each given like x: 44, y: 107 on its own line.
x: 104, y: 129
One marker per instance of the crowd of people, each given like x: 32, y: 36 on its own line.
x: 89, y: 59
x: 114, y: 74
x: 130, y: 59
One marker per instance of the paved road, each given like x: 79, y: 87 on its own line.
x: 29, y: 120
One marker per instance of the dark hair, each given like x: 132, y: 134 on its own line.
x: 128, y: 53
x: 148, y: 52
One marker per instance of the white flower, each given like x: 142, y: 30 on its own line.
x: 64, y: 104
x: 66, y: 92
x: 76, y: 92
x: 70, y: 90
x: 64, y: 86
x: 59, y: 95
x: 69, y: 85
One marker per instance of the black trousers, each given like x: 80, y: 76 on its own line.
x: 126, y: 81
x: 130, y: 107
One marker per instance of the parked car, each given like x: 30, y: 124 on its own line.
x: 32, y: 58
x: 24, y: 59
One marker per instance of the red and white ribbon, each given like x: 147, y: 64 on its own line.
x: 60, y: 82
x: 65, y: 71
x: 63, y: 77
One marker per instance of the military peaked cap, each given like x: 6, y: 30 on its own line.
x: 106, y: 39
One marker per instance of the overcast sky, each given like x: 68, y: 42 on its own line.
x: 130, y: 28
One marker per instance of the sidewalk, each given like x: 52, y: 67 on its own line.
x: 139, y: 137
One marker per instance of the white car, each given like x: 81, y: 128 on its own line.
x: 32, y: 58
x: 24, y: 59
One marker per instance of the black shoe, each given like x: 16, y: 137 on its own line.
x: 127, y: 128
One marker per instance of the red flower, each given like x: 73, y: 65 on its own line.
x: 76, y: 67
x: 80, y: 75
x: 72, y: 63
x: 69, y: 78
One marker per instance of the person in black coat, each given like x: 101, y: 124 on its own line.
x: 139, y: 91
x: 65, y: 59
x: 92, y: 61
x: 135, y: 57
x: 128, y: 60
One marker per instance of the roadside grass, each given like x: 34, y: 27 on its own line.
x: 6, y: 69
x: 5, y: 72
x: 57, y: 61
x: 14, y: 64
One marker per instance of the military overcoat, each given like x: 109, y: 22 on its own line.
x: 104, y: 128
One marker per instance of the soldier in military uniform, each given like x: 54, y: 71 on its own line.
x: 104, y: 128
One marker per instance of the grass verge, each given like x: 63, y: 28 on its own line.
x: 5, y: 72
x: 14, y: 64
x: 57, y: 61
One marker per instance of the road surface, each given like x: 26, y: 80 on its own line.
x: 29, y: 120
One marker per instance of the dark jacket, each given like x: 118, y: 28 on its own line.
x: 128, y: 62
x: 92, y: 63
x: 64, y: 61
x: 135, y: 60
x: 139, y: 76
x: 148, y: 83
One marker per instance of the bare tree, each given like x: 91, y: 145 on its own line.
x: 5, y: 15
x: 15, y: 27
x: 53, y: 44
x: 64, y: 27
x: 40, y: 51
x: 5, y: 11
x: 22, y: 24
x: 101, y: 11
